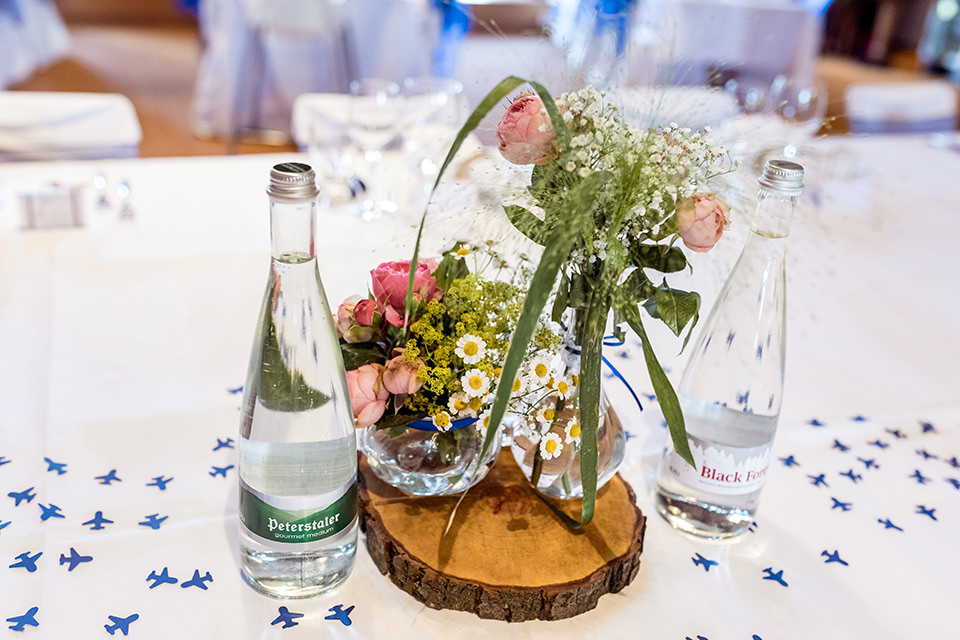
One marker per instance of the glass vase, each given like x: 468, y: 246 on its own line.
x: 422, y: 461
x: 553, y: 468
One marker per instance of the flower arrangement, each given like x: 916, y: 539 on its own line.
x: 608, y: 204
x: 438, y: 360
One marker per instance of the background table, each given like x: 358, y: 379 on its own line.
x: 123, y: 345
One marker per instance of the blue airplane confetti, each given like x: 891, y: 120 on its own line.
x: 220, y: 471
x: 109, y: 478
x: 75, y: 559
x: 919, y: 477
x: 120, y: 624
x: 341, y: 614
x: 4, y: 460
x: 926, y: 455
x: 789, y: 461
x: 27, y: 561
x: 856, y: 477
x: 703, y: 562
x: 815, y: 423
x: 880, y: 444
x: 834, y: 557
x: 888, y: 525
x: 818, y: 481
x: 926, y: 427
x: 922, y: 510
x: 859, y: 418
x: 4, y: 524
x: 839, y: 445
x: 53, y: 511
x: 776, y: 576
x: 843, y: 506
x: 753, y: 527
x: 29, y: 618
x: 698, y: 638
x: 954, y: 482
x: 869, y: 463
x: 153, y: 521
x: 730, y: 337
x: 756, y: 637
x: 97, y: 521
x: 160, y: 483
x: 59, y: 467
x: 197, y: 580
x: 235, y: 390
x: 224, y: 444
x: 954, y: 462
x: 896, y: 433
x: 163, y: 578
x: 627, y: 435
x: 20, y: 496
x: 287, y: 617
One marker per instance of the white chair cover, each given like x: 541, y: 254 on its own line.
x: 32, y: 35
x: 54, y: 125
x: 901, y: 107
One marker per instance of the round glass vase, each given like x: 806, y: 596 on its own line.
x: 423, y: 461
x: 559, y: 476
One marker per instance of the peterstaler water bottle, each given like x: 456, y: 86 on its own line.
x: 298, y: 452
x: 732, y: 388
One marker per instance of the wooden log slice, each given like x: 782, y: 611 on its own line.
x: 507, y: 556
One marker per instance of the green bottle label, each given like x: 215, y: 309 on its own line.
x: 296, y: 526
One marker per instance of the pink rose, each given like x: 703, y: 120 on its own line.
x: 355, y: 319
x: 701, y: 219
x: 368, y: 395
x: 525, y: 133
x: 400, y: 377
x: 390, y: 281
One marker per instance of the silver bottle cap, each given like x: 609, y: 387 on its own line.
x: 292, y: 181
x: 782, y: 176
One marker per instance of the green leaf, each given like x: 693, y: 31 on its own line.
x: 526, y: 223
x: 357, y: 354
x: 562, y: 296
x: 450, y: 268
x: 398, y: 421
x: 636, y: 288
x: 666, y: 396
x: 662, y: 258
x: 676, y: 308
x: 590, y: 359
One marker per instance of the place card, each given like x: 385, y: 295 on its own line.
x: 52, y: 206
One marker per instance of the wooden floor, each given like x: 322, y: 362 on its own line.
x: 155, y: 67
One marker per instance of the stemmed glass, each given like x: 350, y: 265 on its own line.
x: 434, y: 110
x: 376, y: 106
x: 800, y: 107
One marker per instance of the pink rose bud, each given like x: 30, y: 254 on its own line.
x: 401, y: 377
x: 368, y: 395
x: 525, y: 133
x: 389, y: 285
x: 348, y: 319
x: 701, y: 219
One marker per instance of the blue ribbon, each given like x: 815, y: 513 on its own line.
x: 427, y: 425
x: 612, y: 341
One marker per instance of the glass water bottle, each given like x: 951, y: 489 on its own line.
x: 298, y: 452
x: 732, y: 388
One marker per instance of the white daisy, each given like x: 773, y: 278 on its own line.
x: 550, y: 446
x: 442, y: 421
x: 547, y: 413
x: 475, y: 383
x: 471, y: 349
x: 458, y: 403
x: 565, y: 387
x: 540, y: 370
x: 572, y: 431
x: 519, y: 386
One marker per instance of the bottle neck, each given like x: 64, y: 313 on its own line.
x: 773, y: 214
x: 292, y: 228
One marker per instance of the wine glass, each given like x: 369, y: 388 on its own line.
x: 800, y: 107
x: 376, y: 107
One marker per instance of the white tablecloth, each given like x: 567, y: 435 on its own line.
x: 123, y: 345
